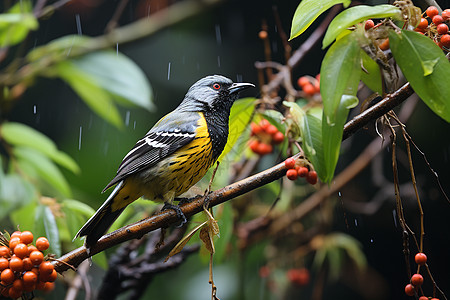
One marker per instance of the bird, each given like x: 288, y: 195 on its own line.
x: 174, y: 154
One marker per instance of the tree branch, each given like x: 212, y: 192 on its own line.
x: 169, y: 217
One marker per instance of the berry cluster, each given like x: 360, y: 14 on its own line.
x: 300, y: 168
x: 309, y: 85
x: 23, y: 266
x: 299, y: 277
x: 437, y: 29
x: 417, y: 279
x: 265, y: 135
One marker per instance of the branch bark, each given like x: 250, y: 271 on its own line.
x: 169, y: 217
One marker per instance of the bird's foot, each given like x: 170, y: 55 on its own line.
x: 186, y: 200
x: 178, y: 210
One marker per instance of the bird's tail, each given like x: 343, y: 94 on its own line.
x: 100, y: 222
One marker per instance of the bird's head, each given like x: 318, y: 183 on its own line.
x: 212, y: 93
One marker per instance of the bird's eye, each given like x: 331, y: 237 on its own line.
x: 216, y: 86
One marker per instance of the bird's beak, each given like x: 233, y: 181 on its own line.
x: 237, y: 87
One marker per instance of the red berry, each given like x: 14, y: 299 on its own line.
x: 409, y: 290
x: 309, y: 89
x: 278, y: 137
x: 4, y: 263
x: 302, y: 81
x: 36, y: 257
x: 417, y: 280
x: 255, y: 129
x: 437, y: 19
x: 420, y: 258
x: 264, y: 149
x: 291, y: 174
x: 4, y: 251
x: 432, y: 11
x: 26, y: 237
x: 311, y: 177
x: 29, y: 278
x: 446, y: 14
x: 262, y: 34
x: 302, y: 172
x: 16, y: 264
x: 289, y: 163
x: 7, y: 276
x: 423, y: 24
x: 423, y: 298
x: 445, y: 40
x: 13, y: 293
x: 384, y: 45
x: 13, y: 242
x: 368, y: 24
x: 317, y: 86
x: 15, y: 234
x: 298, y: 276
x: 46, y: 268
x: 434, y: 298
x: 271, y: 129
x: 442, y: 28
x: 21, y: 250
x: 42, y: 243
x: 264, y: 124
x: 254, y: 146
x: 264, y: 272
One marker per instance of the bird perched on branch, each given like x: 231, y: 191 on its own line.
x: 173, y: 156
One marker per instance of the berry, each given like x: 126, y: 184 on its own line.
x: 368, y: 24
x: 42, y: 243
x: 298, y: 276
x: 7, y: 276
x: 27, y: 264
x: 302, y: 81
x: 29, y: 278
x: 262, y: 34
x: 264, y: 124
x: 4, y: 251
x: 26, y: 237
x: 309, y: 89
x: 417, y: 280
x: 21, y: 250
x: 264, y: 272
x: 13, y: 293
x: 36, y: 257
x: 40, y: 285
x: 255, y: 129
x: 264, y: 148
x: 384, y: 45
x: 446, y: 14
x: 291, y: 174
x: 289, y: 163
x: 13, y: 242
x: 445, y: 40
x: 4, y: 263
x: 46, y: 268
x: 51, y: 277
x: 278, y: 138
x: 317, y: 86
x: 15, y: 234
x: 423, y: 24
x: 420, y: 258
x: 49, y: 286
x: 437, y: 20
x: 16, y: 264
x: 442, y: 28
x: 432, y: 11
x: 311, y: 177
x: 18, y: 284
x: 302, y: 171
x: 423, y: 298
x: 271, y: 129
x: 254, y: 146
x: 31, y: 248
x: 409, y: 290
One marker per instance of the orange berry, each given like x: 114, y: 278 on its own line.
x: 13, y: 293
x: 302, y: 171
x: 263, y: 34
x: 417, y: 280
x: 7, y: 276
x: 4, y: 263
x: 16, y: 234
x: 36, y: 257
x: 35, y: 270
x: 271, y: 129
x: 289, y: 163
x: 49, y: 286
x: 368, y: 24
x: 31, y: 248
x: 446, y: 14
x: 30, y: 278
x: 21, y: 250
x: 13, y: 242
x: 311, y: 177
x: 27, y: 264
x: 4, y: 251
x: 420, y: 258
x: 409, y: 290
x: 16, y: 264
x: 278, y: 137
x: 46, y: 268
x: 254, y: 144
x: 442, y: 28
x: 423, y: 24
x: 26, y: 237
x: 255, y: 129
x: 42, y: 243
x: 18, y: 284
x: 291, y: 174
x: 437, y: 19
x: 40, y: 285
x: 317, y: 86
x: 302, y: 81
x: 432, y: 11
x: 384, y: 45
x: 264, y: 124
x: 445, y: 40
x: 29, y: 288
x: 309, y: 89
x: 51, y: 277
x: 423, y: 298
x: 264, y: 148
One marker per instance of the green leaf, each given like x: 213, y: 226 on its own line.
x: 425, y: 67
x: 75, y: 215
x: 340, y: 75
x: 240, y: 116
x: 15, y: 193
x: 356, y: 14
x: 15, y: 25
x: 19, y: 134
x: 41, y: 166
x: 225, y: 222
x: 373, y: 76
x: 24, y: 216
x: 308, y: 11
x: 45, y: 225
x: 119, y: 76
x: 87, y: 87
x: 60, y: 47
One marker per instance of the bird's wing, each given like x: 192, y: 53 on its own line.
x: 167, y: 136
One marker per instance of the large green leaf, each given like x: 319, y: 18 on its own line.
x: 15, y: 193
x: 45, y: 225
x: 19, y: 134
x: 372, y: 75
x: 308, y: 11
x: 15, y: 25
x: 425, y: 67
x: 39, y: 165
x: 59, y: 48
x: 340, y: 74
x: 356, y: 14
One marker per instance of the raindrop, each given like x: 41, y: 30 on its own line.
x: 356, y: 223
x: 117, y: 49
x: 238, y: 77
x: 394, y: 214
x: 78, y: 20
x: 34, y: 109
x: 371, y: 240
x: 79, y: 138
x: 218, y: 35
x: 127, y: 118
x: 339, y: 194
x: 134, y: 125
x: 168, y: 71
x: 218, y: 61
